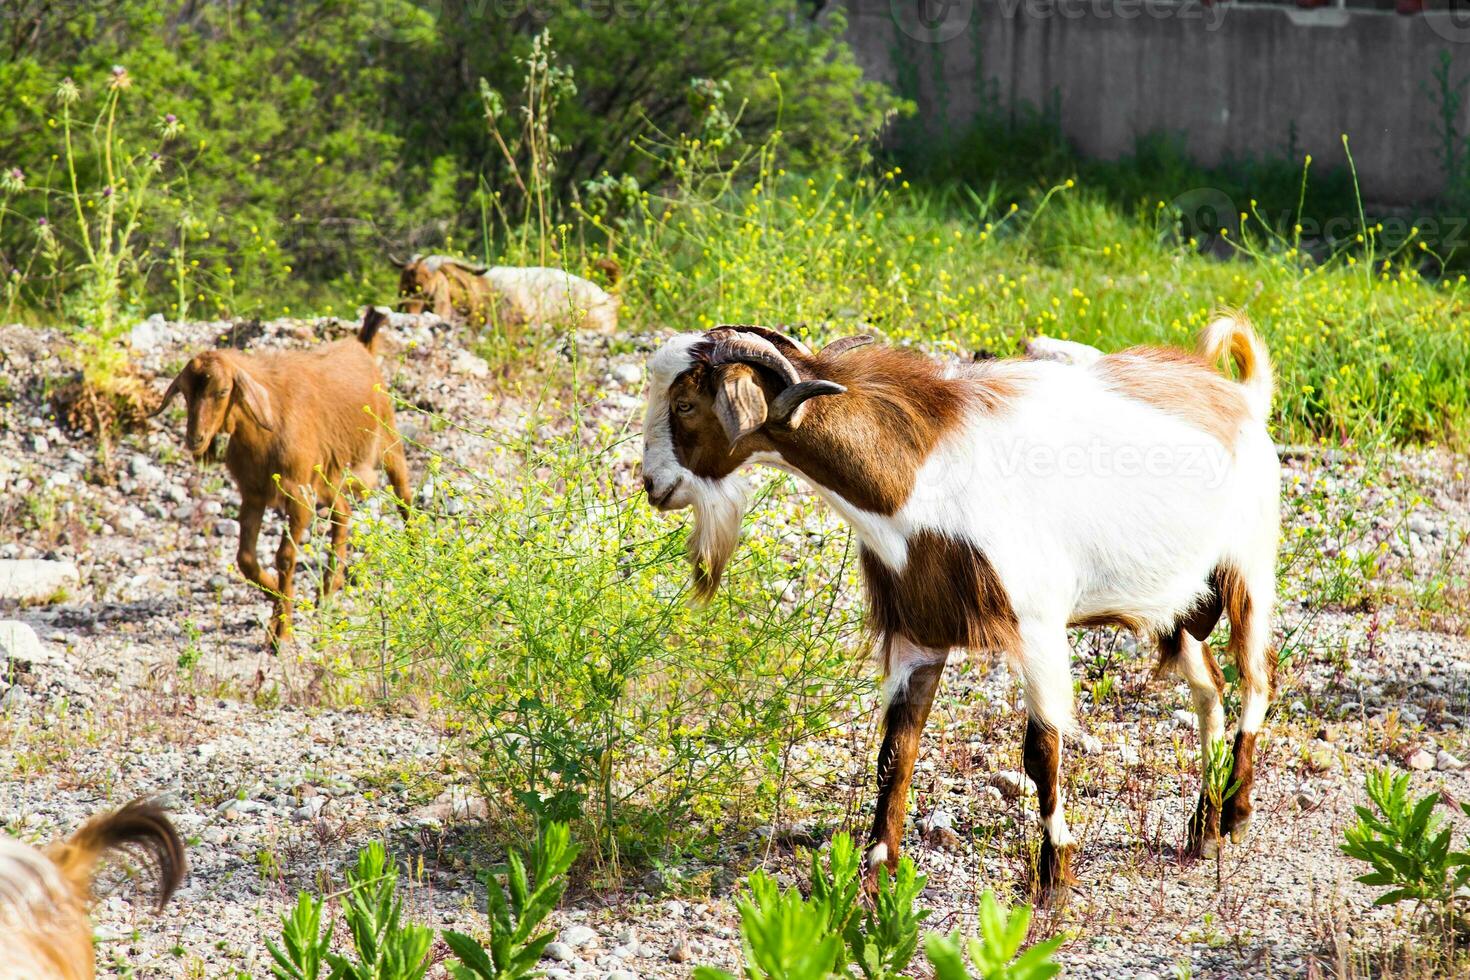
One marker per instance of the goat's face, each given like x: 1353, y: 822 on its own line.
x: 216, y: 386
x: 714, y: 401
x: 416, y: 286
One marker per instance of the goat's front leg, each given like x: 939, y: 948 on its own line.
x: 251, y: 513
x: 1046, y: 667
x: 912, y: 681
x: 298, y: 518
x: 337, y: 555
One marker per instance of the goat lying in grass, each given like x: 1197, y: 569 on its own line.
x: 507, y: 296
x: 306, y: 429
x: 45, y: 895
x: 997, y: 505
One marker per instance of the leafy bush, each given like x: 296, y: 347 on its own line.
x: 543, y: 607
x: 385, y: 947
x: 1408, y: 846
x: 516, y: 911
x: 787, y: 937
x: 388, y: 948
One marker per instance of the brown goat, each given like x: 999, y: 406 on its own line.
x: 446, y: 286
x: 45, y: 894
x: 305, y: 429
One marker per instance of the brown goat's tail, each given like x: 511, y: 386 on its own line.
x: 371, y: 321
x: 1231, y: 333
x: 141, y: 826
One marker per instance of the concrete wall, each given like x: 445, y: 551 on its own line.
x: 1231, y: 78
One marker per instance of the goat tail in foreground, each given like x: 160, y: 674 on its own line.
x: 371, y: 321
x: 142, y: 827
x: 1232, y: 333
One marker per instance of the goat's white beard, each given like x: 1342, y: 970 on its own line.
x: 719, y: 506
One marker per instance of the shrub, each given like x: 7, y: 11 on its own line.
x: 385, y: 947
x: 516, y: 910
x: 787, y: 937
x: 544, y: 609
x: 1408, y: 846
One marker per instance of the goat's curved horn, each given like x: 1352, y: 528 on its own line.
x: 168, y: 396
x: 786, y: 407
x: 774, y: 336
x: 393, y: 257
x: 845, y: 344
x: 734, y: 344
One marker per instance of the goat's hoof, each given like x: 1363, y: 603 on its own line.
x: 1241, y: 829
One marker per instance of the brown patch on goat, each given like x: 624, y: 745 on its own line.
x: 45, y: 897
x: 868, y: 442
x: 1181, y: 384
x: 1236, y: 812
x: 306, y: 429
x: 948, y: 595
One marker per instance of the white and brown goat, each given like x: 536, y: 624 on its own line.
x: 997, y: 505
x: 305, y: 429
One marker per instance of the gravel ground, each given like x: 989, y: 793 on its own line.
x: 276, y: 789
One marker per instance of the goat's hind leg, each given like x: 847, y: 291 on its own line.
x: 337, y: 554
x: 298, y: 518
x: 1196, y: 664
x: 1248, y: 603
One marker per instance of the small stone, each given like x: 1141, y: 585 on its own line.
x: 1307, y: 798
x: 227, y: 527
x: 1446, y: 762
x: 1128, y: 755
x: 680, y: 952
x: 621, y: 975
x: 1420, y: 760
x: 575, y: 936
x: 468, y: 365
x: 627, y: 375
x: 1011, y: 784
x: 1185, y: 719
x: 560, y: 952
x: 19, y: 642
x: 1090, y: 744
x: 310, y: 809
x: 1321, y: 757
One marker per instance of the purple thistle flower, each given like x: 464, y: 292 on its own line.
x: 170, y: 118
x: 118, y: 71
x: 107, y: 192
x: 41, y: 222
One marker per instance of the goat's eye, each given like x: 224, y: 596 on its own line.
x: 684, y: 408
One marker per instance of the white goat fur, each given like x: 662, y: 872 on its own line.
x: 1086, y: 501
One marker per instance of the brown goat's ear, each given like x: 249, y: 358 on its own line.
x: 175, y: 387
x: 254, y: 399
x: 740, y: 405
x: 789, y: 407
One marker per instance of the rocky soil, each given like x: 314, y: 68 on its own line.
x: 133, y: 665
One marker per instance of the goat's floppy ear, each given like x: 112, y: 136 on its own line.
x: 740, y: 405
x: 789, y: 407
x: 175, y: 387
x: 254, y: 399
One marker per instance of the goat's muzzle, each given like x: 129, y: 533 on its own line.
x: 660, y: 498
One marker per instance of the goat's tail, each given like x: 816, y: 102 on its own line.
x: 1232, y: 333
x: 140, y: 826
x: 368, y: 332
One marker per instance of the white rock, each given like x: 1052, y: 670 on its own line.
x: 1185, y: 719
x: 19, y: 642
x: 627, y: 375
x: 466, y: 364
x: 1443, y: 760
x: 1420, y: 760
x: 621, y: 975
x: 575, y: 936
x: 1128, y: 755
x: 560, y: 952
x: 1090, y: 744
x: 35, y: 579
x: 149, y: 333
